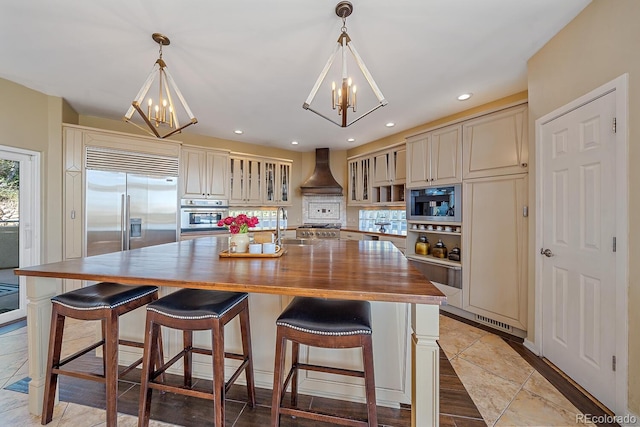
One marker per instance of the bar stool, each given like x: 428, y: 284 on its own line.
x: 104, y: 301
x: 196, y: 310
x: 319, y: 322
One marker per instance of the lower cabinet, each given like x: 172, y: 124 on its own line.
x: 391, y: 346
x: 494, y: 268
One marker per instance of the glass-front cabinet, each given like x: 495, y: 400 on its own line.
x: 359, y: 181
x: 245, y: 181
x: 277, y: 182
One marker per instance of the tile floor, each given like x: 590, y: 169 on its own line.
x: 505, y: 388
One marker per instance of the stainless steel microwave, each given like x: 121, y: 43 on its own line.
x: 435, y: 203
x: 202, y: 215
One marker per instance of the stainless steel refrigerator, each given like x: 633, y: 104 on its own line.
x: 128, y: 211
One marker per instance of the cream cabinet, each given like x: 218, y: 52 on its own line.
x: 245, y: 181
x: 494, y: 279
x: 359, y: 191
x: 496, y: 144
x: 277, y: 183
x: 204, y: 173
x: 435, y: 157
x: 389, y: 174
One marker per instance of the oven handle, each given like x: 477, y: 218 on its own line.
x: 191, y: 210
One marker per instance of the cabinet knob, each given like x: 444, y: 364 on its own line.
x: 524, y: 165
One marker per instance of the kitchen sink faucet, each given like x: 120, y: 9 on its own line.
x: 278, y: 228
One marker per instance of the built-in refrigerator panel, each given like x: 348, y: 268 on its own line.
x: 104, y: 211
x: 152, y: 210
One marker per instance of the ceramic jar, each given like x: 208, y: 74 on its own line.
x: 239, y: 243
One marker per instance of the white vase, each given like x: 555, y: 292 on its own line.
x: 239, y: 241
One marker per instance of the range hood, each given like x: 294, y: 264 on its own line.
x: 321, y: 181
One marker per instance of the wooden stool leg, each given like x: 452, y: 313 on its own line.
x: 111, y: 371
x: 187, y: 342
x: 53, y: 359
x: 245, y: 330
x: 281, y: 346
x: 152, y: 332
x: 369, y: 381
x: 217, y: 343
x: 295, y: 355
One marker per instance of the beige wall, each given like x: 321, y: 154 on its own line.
x: 31, y: 120
x: 599, y: 45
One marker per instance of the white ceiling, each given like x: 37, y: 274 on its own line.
x: 250, y: 64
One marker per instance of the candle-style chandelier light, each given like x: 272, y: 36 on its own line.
x: 344, y: 97
x: 161, y: 115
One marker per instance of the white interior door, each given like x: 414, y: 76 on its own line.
x: 19, y: 227
x: 578, y: 281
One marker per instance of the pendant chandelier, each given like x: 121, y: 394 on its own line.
x: 161, y: 116
x: 343, y: 98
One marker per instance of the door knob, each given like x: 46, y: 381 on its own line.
x: 546, y: 252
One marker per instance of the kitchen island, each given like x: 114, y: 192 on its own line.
x: 364, y: 270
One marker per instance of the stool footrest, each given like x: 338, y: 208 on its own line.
x: 81, y: 375
x: 329, y: 370
x: 319, y: 416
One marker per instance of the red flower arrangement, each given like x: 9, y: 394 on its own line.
x: 238, y: 224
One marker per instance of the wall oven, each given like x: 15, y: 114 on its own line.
x: 435, y: 203
x: 202, y: 215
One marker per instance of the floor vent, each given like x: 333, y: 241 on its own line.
x: 494, y: 323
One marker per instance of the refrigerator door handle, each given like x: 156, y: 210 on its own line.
x: 123, y: 222
x: 127, y: 237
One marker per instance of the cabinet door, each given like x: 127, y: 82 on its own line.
x: 359, y: 181
x: 194, y: 173
x: 217, y: 175
x: 400, y: 166
x: 253, y: 180
x: 496, y: 144
x: 270, y: 183
x: 445, y: 155
x: 494, y: 273
x: 237, y: 185
x: 381, y: 172
x: 284, y: 183
x: 418, y: 172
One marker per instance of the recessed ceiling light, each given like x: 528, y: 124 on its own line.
x: 294, y: 142
x: 351, y: 139
x: 390, y: 124
x: 238, y: 132
x: 464, y: 96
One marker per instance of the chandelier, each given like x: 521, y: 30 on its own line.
x: 343, y: 98
x: 161, y: 114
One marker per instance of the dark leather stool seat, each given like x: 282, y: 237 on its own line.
x: 195, y: 310
x: 326, y: 323
x: 106, y: 302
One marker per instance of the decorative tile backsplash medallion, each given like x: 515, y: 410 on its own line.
x: 321, y: 209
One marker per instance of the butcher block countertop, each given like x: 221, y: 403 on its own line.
x: 361, y: 270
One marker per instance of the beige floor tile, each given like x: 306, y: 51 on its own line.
x: 457, y: 336
x: 491, y: 393
x: 11, y: 344
x: 537, y: 384
x: 20, y: 416
x: 89, y: 416
x: 528, y: 409
x: 496, y: 356
x: 10, y: 364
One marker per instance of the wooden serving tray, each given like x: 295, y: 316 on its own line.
x: 279, y: 252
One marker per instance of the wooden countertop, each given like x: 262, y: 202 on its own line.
x: 361, y: 270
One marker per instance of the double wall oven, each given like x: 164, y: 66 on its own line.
x: 202, y: 215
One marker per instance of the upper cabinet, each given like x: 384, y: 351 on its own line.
x: 277, y: 182
x: 204, y: 173
x: 389, y: 174
x: 496, y: 144
x: 435, y: 157
x: 359, y: 181
x: 245, y: 180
